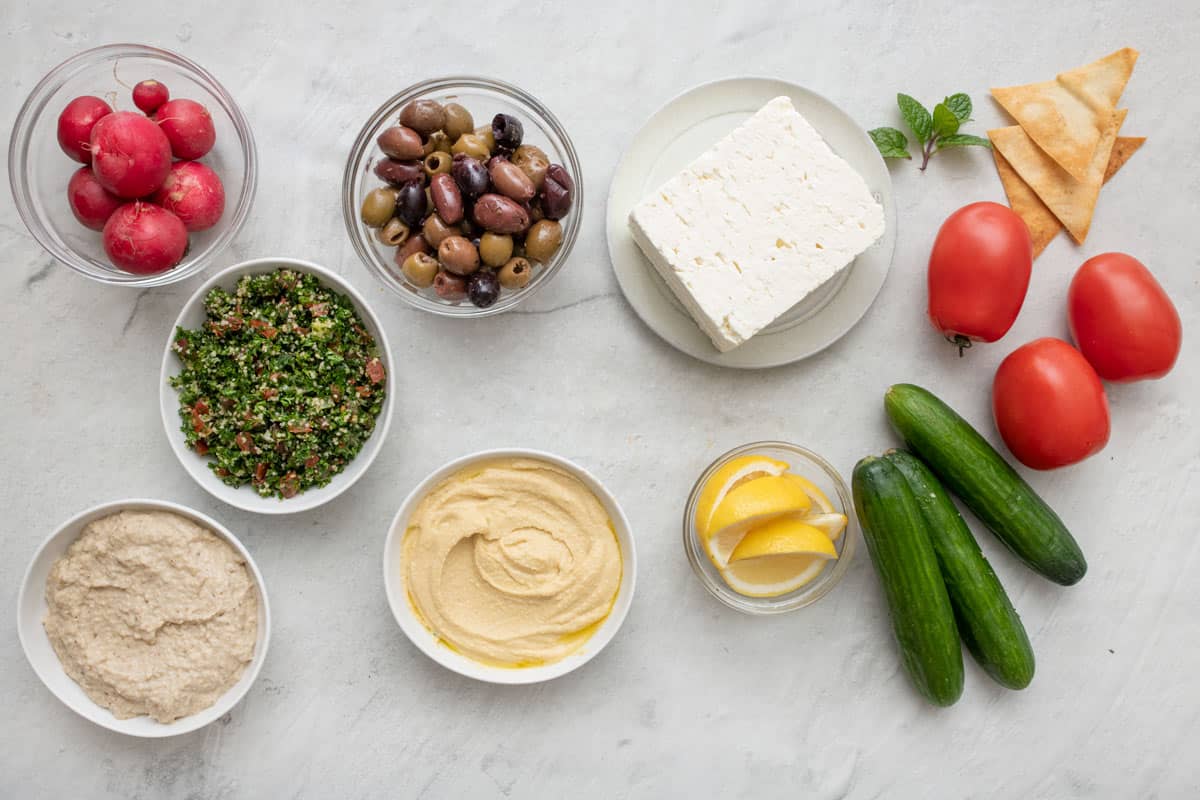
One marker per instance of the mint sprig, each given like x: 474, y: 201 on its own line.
x: 935, y: 130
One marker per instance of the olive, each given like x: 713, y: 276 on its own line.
x: 536, y: 213
x: 483, y: 288
x: 542, y: 240
x: 470, y: 175
x: 495, y: 249
x: 415, y: 244
x: 458, y: 255
x: 508, y: 132
x: 438, y: 142
x: 509, y: 180
x: 412, y: 203
x: 378, y: 206
x: 435, y: 230
x: 420, y: 268
x: 458, y: 121
x: 423, y: 116
x: 447, y: 199
x: 484, y: 132
x: 556, y: 192
x: 471, y: 145
x: 398, y: 173
x: 437, y: 163
x: 394, y: 233
x: 401, y: 143
x: 499, y: 214
x: 533, y: 161
x: 449, y: 286
x: 470, y: 229
x: 515, y: 273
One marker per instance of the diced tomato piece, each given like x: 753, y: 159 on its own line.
x: 375, y: 370
x: 244, y: 442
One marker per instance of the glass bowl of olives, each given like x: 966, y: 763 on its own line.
x: 463, y: 195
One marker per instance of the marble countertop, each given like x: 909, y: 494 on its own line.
x: 690, y: 699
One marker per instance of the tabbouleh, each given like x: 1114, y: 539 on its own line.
x: 281, y: 385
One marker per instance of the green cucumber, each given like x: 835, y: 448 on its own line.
x: 990, y: 487
x: 987, y: 622
x: 922, y: 618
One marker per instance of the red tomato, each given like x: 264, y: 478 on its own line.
x: 1049, y: 405
x: 1122, y: 320
x: 978, y: 273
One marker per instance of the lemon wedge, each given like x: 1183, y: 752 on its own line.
x: 749, y: 505
x: 831, y: 525
x: 815, y: 494
x: 778, y: 557
x: 785, y: 536
x: 731, y: 475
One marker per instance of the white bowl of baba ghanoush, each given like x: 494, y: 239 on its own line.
x: 510, y: 566
x: 145, y: 617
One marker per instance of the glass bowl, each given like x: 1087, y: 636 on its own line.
x: 38, y: 169
x: 802, y: 462
x: 484, y: 98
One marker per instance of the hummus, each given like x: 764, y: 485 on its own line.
x: 152, y: 614
x: 513, y: 562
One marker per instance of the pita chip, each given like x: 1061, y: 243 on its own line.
x: 1123, y: 149
x: 1068, y: 116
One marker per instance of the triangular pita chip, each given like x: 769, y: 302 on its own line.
x: 1071, y: 200
x: 1067, y: 116
x: 1043, y: 225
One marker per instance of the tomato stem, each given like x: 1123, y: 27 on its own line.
x: 959, y: 341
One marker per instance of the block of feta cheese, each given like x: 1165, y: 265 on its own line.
x: 756, y: 224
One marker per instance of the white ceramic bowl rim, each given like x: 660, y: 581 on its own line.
x: 428, y: 643
x: 245, y: 497
x: 144, y: 727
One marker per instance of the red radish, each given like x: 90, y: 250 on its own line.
x: 188, y: 126
x: 91, y: 203
x: 194, y: 193
x: 75, y: 125
x: 130, y: 155
x: 148, y: 95
x: 144, y: 238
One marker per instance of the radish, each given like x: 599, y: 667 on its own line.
x: 188, y: 126
x: 130, y: 154
x: 144, y: 238
x: 91, y: 203
x: 75, y: 125
x: 194, y: 193
x: 148, y: 95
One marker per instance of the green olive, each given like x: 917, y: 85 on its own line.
x: 437, y: 163
x: 495, y: 249
x: 379, y: 206
x: 515, y: 273
x: 533, y: 161
x: 473, y: 146
x: 394, y: 232
x: 438, y: 142
x: 542, y: 240
x: 458, y: 121
x: 485, y: 132
x: 420, y: 268
x: 435, y: 230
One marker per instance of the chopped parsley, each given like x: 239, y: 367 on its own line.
x: 281, y: 385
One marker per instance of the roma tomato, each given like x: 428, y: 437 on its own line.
x: 978, y: 273
x: 1049, y: 405
x: 1122, y: 320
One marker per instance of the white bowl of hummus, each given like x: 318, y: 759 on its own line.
x: 510, y: 566
x: 144, y: 616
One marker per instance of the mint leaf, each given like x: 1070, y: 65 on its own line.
x: 944, y: 121
x: 963, y: 140
x: 960, y: 105
x: 916, y: 116
x: 891, y: 142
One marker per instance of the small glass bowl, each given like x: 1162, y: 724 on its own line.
x: 820, y: 472
x: 38, y: 169
x: 484, y: 98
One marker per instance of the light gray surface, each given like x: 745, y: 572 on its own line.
x: 691, y: 699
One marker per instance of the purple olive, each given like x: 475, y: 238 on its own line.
x: 483, y: 288
x: 448, y: 286
x: 398, y: 173
x: 401, y: 143
x: 557, y: 192
x: 499, y: 214
x: 411, y: 203
x: 470, y: 175
x: 447, y: 199
x: 508, y: 132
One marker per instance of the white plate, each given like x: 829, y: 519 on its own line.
x: 244, y: 497
x: 429, y: 644
x: 31, y: 609
x: 677, y: 134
